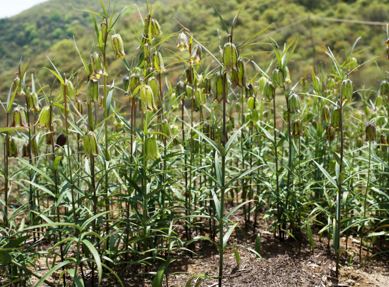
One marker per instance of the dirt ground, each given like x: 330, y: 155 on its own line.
x: 281, y: 265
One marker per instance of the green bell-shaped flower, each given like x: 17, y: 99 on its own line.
x: 117, y: 46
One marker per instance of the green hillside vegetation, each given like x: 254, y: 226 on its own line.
x: 47, y: 30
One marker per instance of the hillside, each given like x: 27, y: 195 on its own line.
x: 47, y: 30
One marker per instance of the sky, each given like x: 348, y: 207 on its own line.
x: 10, y: 8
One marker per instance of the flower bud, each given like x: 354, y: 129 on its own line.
x: 330, y: 133
x: 181, y: 90
x: 346, y: 89
x: 359, y: 143
x: 153, y: 83
x: 97, y: 69
x: 378, y: 101
x: 196, y: 54
x: 155, y: 28
x: 18, y: 118
x: 352, y: 64
x: 126, y: 85
x: 261, y: 83
x: 147, y: 98
x: 269, y: 91
x: 383, y: 143
x: 117, y: 46
x: 92, y: 92
x: 207, y: 86
x: 326, y: 113
x: 384, y: 88
x: 297, y: 128
x: 69, y: 89
x: 165, y: 128
x: 367, y: 111
x: 90, y: 144
x: 182, y: 42
x: 152, y: 150
x: 25, y: 150
x: 252, y: 104
x: 219, y: 78
x: 18, y: 87
x: 335, y: 118
x: 207, y: 129
x: 370, y: 132
x: 249, y: 90
x: 61, y: 140
x: 287, y: 75
x: 103, y: 31
x: 33, y: 102
x: 241, y: 73
x: 230, y: 57
x: 157, y: 59
x: 277, y: 78
x: 294, y: 104
x: 12, y: 148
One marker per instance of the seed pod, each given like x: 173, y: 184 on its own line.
x: 147, y: 98
x: 70, y: 90
x: 182, y: 42
x: 18, y: 87
x: 33, y: 102
x: 126, y: 85
x: 25, y: 150
x: 330, y: 133
x: 92, y: 93
x: 384, y: 88
x: 287, y: 75
x: 261, y: 83
x: 249, y: 90
x: 326, y: 113
x: 152, y: 150
x: 269, y: 91
x: 219, y: 78
x: 97, y: 69
x: 103, y: 31
x: 277, y: 78
x: 297, y: 128
x: 90, y: 144
x: 207, y: 86
x: 359, y: 143
x: 370, y: 132
x: 383, y: 143
x: 181, y: 90
x: 378, y: 101
x: 335, y: 118
x: 18, y: 118
x: 117, y: 46
x: 12, y: 148
x: 346, y: 89
x: 153, y: 83
x: 157, y: 59
x: 61, y: 140
x: 352, y: 64
x: 230, y: 57
x: 196, y: 55
x: 165, y: 128
x: 294, y: 104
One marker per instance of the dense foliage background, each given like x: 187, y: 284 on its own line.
x: 47, y: 30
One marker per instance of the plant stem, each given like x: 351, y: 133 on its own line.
x: 365, y: 203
